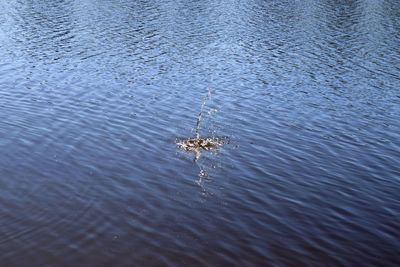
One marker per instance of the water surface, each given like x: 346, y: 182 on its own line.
x: 93, y: 95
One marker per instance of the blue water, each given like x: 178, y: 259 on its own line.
x: 93, y: 95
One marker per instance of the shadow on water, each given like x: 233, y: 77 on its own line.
x: 197, y: 145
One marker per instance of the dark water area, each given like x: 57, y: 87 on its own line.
x: 93, y: 95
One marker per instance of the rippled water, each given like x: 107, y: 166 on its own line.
x: 93, y: 95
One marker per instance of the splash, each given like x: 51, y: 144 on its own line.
x: 206, y: 143
x: 207, y: 97
x: 198, y: 144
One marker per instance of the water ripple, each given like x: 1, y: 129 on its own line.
x: 93, y: 95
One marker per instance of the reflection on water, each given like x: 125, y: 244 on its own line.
x: 94, y: 93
